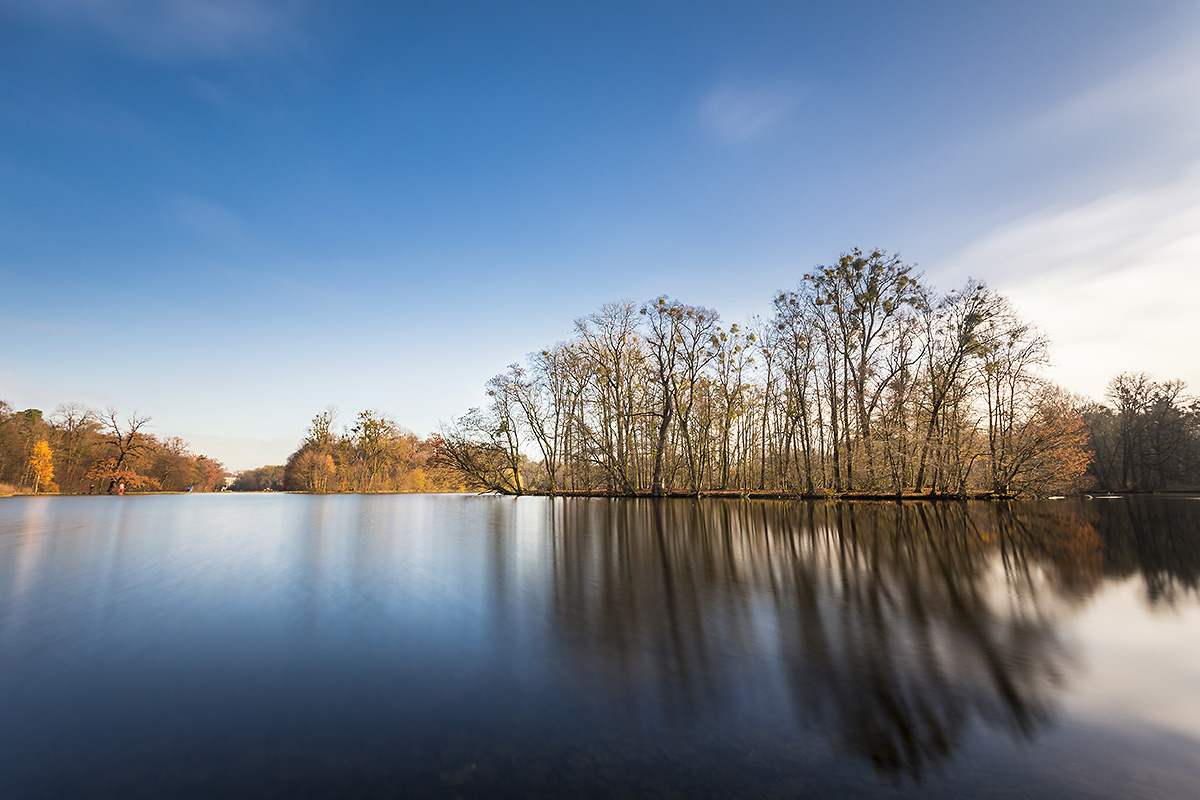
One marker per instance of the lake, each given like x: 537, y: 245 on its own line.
x: 461, y: 646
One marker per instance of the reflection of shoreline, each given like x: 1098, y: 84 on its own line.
x: 592, y: 647
x: 889, y: 624
x: 1158, y: 539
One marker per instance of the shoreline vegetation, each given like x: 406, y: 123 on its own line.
x: 79, y: 450
x: 726, y: 494
x: 863, y: 382
x: 7, y: 490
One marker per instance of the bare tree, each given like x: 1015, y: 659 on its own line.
x: 481, y: 447
x: 76, y: 425
x: 1011, y: 354
x: 952, y: 342
x: 126, y: 439
x: 679, y: 338
x: 611, y: 349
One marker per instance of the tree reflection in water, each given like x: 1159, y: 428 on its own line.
x: 1157, y: 538
x: 531, y: 647
x: 889, y: 628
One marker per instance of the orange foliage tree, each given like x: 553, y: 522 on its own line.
x: 41, y: 466
x: 1049, y: 453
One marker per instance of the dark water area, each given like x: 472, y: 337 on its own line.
x: 457, y: 646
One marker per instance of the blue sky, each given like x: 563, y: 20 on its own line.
x: 229, y: 214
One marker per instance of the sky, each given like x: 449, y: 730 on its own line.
x: 231, y: 214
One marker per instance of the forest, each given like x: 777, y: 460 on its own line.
x: 862, y: 380
x: 79, y: 450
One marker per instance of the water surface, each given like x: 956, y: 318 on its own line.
x: 456, y: 646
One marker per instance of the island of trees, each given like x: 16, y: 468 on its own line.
x: 861, y: 381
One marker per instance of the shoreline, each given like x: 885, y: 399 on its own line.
x: 842, y: 496
x: 875, y: 497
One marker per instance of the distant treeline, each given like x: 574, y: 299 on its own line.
x: 863, y: 379
x: 263, y: 479
x: 372, y: 455
x: 81, y: 450
x: 1147, y: 438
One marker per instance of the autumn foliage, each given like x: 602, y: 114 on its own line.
x: 41, y: 467
x: 374, y: 454
x: 80, y: 450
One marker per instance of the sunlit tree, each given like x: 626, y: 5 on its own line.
x: 41, y: 465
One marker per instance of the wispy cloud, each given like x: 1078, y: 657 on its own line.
x: 1108, y: 265
x: 1158, y: 94
x: 175, y: 30
x: 738, y: 113
x: 1112, y: 281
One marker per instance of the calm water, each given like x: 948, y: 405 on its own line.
x: 451, y: 646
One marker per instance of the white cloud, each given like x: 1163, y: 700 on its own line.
x: 174, y: 30
x: 1109, y: 267
x: 1114, y: 282
x: 737, y: 114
